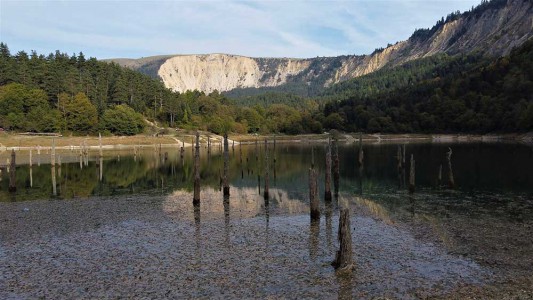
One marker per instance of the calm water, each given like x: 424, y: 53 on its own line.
x: 477, y: 168
x: 432, y: 241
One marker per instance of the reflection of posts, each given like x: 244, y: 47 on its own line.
x: 313, y: 195
x: 197, y: 232
x: 12, y: 172
x: 226, y: 166
x: 196, y: 197
x: 226, y: 219
x: 451, y: 180
x: 412, y: 175
x: 329, y: 227
x: 314, y: 231
x: 101, y: 168
x: 327, y: 187
x: 343, y: 262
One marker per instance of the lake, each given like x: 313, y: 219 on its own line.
x: 125, y: 225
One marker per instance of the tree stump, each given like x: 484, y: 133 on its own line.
x: 313, y: 195
x: 412, y: 175
x: 226, y: 166
x: 267, y: 175
x: 196, y: 196
x: 336, y: 167
x: 327, y: 188
x: 12, y: 172
x: 451, y: 180
x: 343, y: 262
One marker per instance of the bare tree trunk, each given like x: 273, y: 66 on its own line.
x: 12, y: 172
x: 267, y: 175
x: 451, y: 180
x: 226, y: 166
x: 196, y: 197
x: 313, y: 195
x: 336, y: 167
x: 343, y: 262
x: 327, y: 188
x: 412, y: 175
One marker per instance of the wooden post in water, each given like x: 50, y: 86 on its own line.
x: 39, y: 155
x: 313, y: 194
x: 451, y: 180
x: 53, y: 167
x: 312, y: 157
x: 226, y: 166
x: 343, y: 262
x: 412, y: 175
x: 101, y: 168
x: 439, y: 179
x: 12, y: 173
x: 31, y: 163
x: 208, y: 145
x: 196, y: 197
x: 327, y: 188
x: 256, y: 154
x: 53, y: 153
x: 100, y: 143
x: 59, y: 166
x: 361, y: 153
x: 336, y: 167
x: 267, y: 176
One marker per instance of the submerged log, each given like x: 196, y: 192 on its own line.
x: 313, y: 195
x: 12, y: 172
x: 196, y: 196
x: 327, y: 187
x: 343, y: 262
x: 412, y: 175
x: 226, y: 166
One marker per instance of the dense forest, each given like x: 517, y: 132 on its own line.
x: 463, y: 93
x: 72, y: 94
x: 458, y: 94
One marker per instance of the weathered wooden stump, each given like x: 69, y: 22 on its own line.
x: 343, y: 262
x: 225, y: 182
x: 327, y: 187
x: 100, y: 144
x: 196, y: 196
x: 267, y: 175
x: 12, y: 172
x: 412, y: 175
x: 451, y: 180
x: 336, y: 167
x: 313, y: 195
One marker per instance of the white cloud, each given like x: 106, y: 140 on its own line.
x: 255, y: 28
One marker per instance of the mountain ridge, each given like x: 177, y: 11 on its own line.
x: 492, y: 28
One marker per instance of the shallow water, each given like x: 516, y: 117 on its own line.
x: 135, y: 232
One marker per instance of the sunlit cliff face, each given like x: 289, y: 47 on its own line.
x: 493, y: 32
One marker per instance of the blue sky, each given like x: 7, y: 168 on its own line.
x: 111, y: 29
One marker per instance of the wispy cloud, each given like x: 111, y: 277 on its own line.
x: 294, y: 28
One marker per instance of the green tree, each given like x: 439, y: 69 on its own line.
x: 123, y: 120
x: 80, y: 114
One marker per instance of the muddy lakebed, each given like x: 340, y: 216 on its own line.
x: 126, y: 227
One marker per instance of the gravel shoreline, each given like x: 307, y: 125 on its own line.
x: 160, y: 247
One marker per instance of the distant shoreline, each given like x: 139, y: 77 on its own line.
x: 27, y: 142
